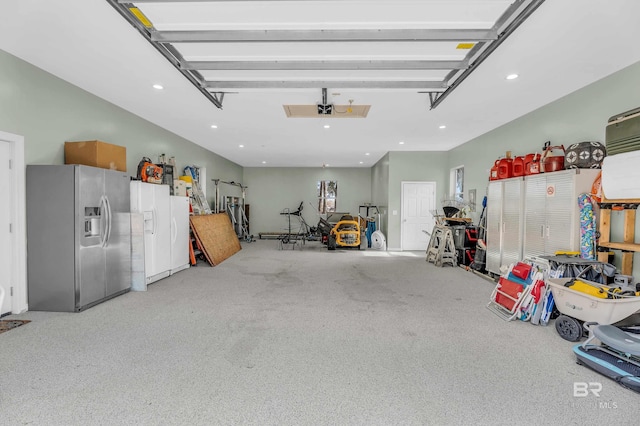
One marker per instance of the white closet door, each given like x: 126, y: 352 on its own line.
x: 561, y: 205
x: 512, y: 222
x: 534, y: 216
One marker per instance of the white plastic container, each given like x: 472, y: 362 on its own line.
x: 585, y: 307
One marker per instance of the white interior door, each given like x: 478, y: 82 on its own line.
x: 6, y: 204
x: 418, y: 203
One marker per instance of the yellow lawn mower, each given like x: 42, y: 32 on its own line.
x: 345, y: 233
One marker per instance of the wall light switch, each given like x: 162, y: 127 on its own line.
x: 395, y: 213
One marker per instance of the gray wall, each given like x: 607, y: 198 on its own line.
x: 413, y: 166
x: 271, y: 190
x: 579, y: 116
x: 380, y: 191
x: 48, y: 111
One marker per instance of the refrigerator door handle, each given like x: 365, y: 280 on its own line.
x: 109, y: 221
x: 155, y: 220
x: 103, y: 221
x: 174, y: 230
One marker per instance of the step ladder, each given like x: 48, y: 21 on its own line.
x: 441, y: 249
x: 198, y: 200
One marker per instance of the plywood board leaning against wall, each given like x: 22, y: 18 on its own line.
x: 216, y: 236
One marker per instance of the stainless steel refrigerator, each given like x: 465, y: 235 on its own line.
x: 78, y: 236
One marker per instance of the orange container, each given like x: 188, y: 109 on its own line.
x: 494, y: 171
x: 505, y: 167
x: 531, y: 164
x: 518, y: 166
x: 550, y: 162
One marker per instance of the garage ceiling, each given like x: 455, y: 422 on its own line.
x: 223, y: 46
x: 413, y: 66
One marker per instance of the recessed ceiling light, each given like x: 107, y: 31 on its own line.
x: 362, y: 162
x: 367, y: 153
x: 442, y: 127
x: 240, y: 146
x: 158, y: 86
x: 264, y: 162
x: 512, y: 76
x: 401, y: 143
x: 326, y: 126
x: 214, y: 126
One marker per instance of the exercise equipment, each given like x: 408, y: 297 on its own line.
x: 235, y: 207
x: 300, y: 231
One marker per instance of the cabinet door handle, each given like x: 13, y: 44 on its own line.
x: 542, y: 231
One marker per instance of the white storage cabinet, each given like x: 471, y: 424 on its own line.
x: 551, y: 212
x: 504, y: 223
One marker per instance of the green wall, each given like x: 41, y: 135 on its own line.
x: 380, y: 191
x: 48, y: 111
x: 271, y: 190
x: 579, y: 116
x: 412, y: 166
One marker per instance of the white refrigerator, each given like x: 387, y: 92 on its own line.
x: 179, y: 234
x: 154, y: 203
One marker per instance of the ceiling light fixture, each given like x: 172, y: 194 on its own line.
x: 240, y: 146
x: 401, y: 143
x: 512, y: 76
x: 362, y: 162
x: 442, y: 127
x: 214, y: 126
x: 326, y: 126
x: 367, y: 153
x: 264, y: 162
x: 158, y: 86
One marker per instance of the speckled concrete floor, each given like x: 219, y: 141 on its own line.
x: 302, y: 337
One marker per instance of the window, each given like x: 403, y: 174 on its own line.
x: 457, y: 183
x: 327, y: 194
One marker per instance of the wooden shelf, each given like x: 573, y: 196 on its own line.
x: 628, y: 245
x: 621, y: 246
x: 625, y: 201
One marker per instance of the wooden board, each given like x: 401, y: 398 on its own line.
x: 216, y: 236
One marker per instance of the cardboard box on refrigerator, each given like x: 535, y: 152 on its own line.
x: 96, y: 154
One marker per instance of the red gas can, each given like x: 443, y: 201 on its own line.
x: 550, y: 162
x: 531, y: 164
x: 505, y: 167
x: 518, y: 166
x: 493, y: 175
